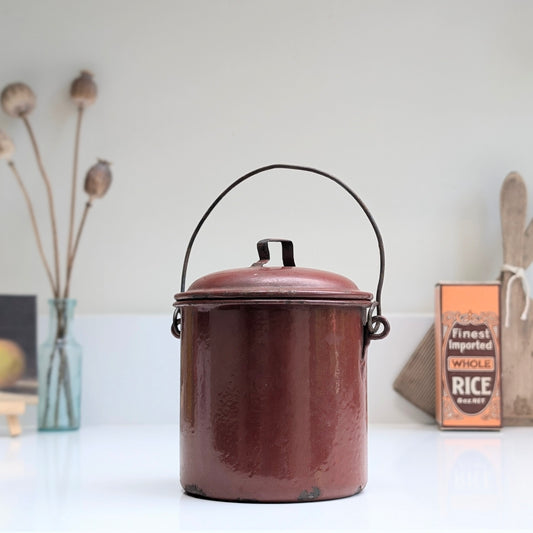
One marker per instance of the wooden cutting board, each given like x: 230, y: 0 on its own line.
x: 517, y: 337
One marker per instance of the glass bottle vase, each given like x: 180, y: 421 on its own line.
x: 59, y: 370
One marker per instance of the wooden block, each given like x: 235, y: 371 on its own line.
x: 9, y: 397
x: 12, y: 408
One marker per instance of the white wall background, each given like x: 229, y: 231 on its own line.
x: 421, y: 106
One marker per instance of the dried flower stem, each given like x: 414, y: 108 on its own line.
x: 50, y: 201
x: 58, y: 389
x: 63, y: 382
x: 73, y: 199
x: 49, y: 380
x: 72, y: 256
x: 55, y: 289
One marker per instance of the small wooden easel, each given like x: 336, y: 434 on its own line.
x: 12, y: 406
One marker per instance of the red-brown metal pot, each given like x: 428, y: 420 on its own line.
x: 273, y: 377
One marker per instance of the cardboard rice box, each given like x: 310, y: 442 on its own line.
x: 468, y: 356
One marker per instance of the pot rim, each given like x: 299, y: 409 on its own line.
x: 364, y: 300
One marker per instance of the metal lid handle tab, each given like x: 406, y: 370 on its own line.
x: 287, y: 252
x: 377, y: 326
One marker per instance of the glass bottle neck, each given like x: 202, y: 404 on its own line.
x: 61, y: 317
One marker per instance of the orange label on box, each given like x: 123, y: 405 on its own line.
x: 465, y: 364
x: 468, y: 367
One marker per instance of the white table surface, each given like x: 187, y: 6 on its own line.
x: 124, y: 478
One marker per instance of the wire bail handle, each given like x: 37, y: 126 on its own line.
x: 377, y: 326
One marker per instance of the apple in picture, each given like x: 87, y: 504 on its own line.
x: 12, y: 362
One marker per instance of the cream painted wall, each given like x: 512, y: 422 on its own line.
x: 421, y: 106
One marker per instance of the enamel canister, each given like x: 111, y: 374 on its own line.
x: 273, y: 376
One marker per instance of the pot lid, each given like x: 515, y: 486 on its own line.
x: 261, y: 282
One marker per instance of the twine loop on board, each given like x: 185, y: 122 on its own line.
x: 518, y: 273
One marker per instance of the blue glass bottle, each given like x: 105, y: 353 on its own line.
x: 59, y: 370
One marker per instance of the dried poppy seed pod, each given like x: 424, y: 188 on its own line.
x: 98, y: 179
x: 83, y: 90
x: 7, y: 148
x: 18, y: 99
